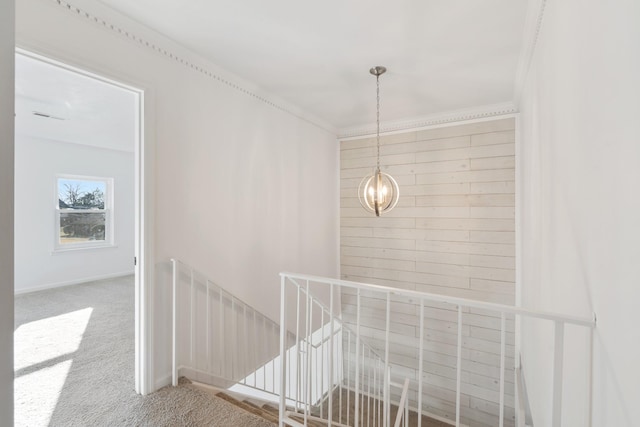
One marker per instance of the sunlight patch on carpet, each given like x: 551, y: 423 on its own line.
x: 44, y: 351
x: 46, y: 339
x: 37, y: 393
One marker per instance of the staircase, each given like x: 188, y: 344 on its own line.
x: 317, y: 368
x: 368, y: 415
x: 472, y: 378
x: 269, y: 412
x: 326, y: 369
x: 265, y: 410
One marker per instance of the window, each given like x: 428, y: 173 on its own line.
x: 83, y: 212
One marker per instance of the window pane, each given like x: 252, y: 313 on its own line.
x: 76, y: 227
x: 81, y: 194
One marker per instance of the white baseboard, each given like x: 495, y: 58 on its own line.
x: 72, y: 282
x: 164, y: 380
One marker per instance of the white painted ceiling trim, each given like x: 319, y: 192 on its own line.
x: 433, y: 126
x: 532, y: 25
x: 147, y: 38
x: 487, y: 111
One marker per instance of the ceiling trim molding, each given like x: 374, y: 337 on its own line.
x: 532, y: 26
x: 212, y: 71
x: 483, y: 112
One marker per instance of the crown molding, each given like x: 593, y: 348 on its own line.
x: 467, y: 114
x: 144, y: 37
x: 122, y: 26
x: 531, y: 33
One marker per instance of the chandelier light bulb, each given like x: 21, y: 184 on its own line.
x: 378, y: 193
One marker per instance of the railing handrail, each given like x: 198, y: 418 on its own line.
x: 211, y: 283
x: 327, y: 310
x: 230, y: 294
x: 188, y: 279
x: 502, y: 308
x: 333, y: 376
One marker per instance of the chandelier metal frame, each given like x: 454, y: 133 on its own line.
x: 378, y: 193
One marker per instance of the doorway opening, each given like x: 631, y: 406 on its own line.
x: 79, y: 282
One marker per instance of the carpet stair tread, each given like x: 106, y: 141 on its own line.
x: 268, y: 415
x: 249, y: 407
x: 271, y: 408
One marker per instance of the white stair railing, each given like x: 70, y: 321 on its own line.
x: 331, y: 375
x: 293, y: 285
x: 403, y: 406
x: 218, y: 339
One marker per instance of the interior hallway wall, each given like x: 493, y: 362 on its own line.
x: 7, y: 92
x: 581, y: 207
x: 236, y: 184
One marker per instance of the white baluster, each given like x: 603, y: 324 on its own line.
x: 503, y: 328
x: 558, y: 356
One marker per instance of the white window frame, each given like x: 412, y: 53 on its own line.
x: 108, y: 215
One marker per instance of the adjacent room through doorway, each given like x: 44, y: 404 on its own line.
x: 76, y: 148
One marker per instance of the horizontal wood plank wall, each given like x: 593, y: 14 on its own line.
x: 452, y: 233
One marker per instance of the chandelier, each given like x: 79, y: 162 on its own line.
x: 378, y: 193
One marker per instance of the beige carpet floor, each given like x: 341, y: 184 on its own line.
x: 74, y: 356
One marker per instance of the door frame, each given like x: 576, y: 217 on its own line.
x: 143, y: 183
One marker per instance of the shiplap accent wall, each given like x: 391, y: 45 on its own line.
x: 453, y: 233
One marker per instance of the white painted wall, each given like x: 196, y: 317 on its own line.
x: 243, y: 188
x: 581, y: 205
x: 37, y: 163
x: 6, y: 210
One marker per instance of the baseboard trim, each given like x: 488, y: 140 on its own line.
x: 162, y: 381
x: 72, y: 282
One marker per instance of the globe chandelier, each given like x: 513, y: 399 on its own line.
x: 378, y: 193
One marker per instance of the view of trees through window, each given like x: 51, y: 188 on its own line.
x: 82, y: 213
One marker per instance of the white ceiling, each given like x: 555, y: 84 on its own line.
x: 442, y: 55
x: 93, y: 112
